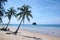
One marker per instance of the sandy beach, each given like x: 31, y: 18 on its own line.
x: 25, y: 35
x: 37, y: 19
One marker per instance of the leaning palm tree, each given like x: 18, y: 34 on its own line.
x: 24, y: 12
x: 11, y: 12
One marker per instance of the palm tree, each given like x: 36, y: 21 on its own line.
x: 24, y: 12
x: 2, y: 10
x: 1, y: 14
x: 11, y: 12
x: 0, y: 19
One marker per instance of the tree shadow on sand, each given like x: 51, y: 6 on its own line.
x: 11, y: 32
x: 33, y: 37
x: 24, y: 36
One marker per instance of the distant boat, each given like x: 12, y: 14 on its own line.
x: 34, y: 23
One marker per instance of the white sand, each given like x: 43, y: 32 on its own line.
x: 25, y: 35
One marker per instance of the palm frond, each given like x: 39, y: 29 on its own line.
x: 24, y: 11
x: 9, y: 17
x: 18, y: 14
x: 29, y: 14
x: 28, y: 18
x: 11, y: 12
x: 28, y: 6
x: 18, y: 8
x: 19, y: 17
x: 1, y: 13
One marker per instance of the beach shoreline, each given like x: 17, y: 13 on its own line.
x: 25, y: 35
x: 41, y: 30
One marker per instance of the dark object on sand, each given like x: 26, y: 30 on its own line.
x: 4, y: 29
x: 34, y: 23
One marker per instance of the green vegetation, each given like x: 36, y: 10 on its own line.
x: 24, y: 13
x: 11, y: 12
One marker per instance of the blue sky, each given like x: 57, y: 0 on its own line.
x: 43, y: 11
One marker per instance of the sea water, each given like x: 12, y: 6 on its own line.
x: 51, y: 29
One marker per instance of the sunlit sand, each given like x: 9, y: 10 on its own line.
x: 25, y: 35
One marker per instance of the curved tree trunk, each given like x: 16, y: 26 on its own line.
x: 23, y: 22
x: 7, y: 25
x: 18, y: 27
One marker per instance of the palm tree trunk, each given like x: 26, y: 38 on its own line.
x: 23, y: 22
x: 7, y: 25
x: 18, y: 27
